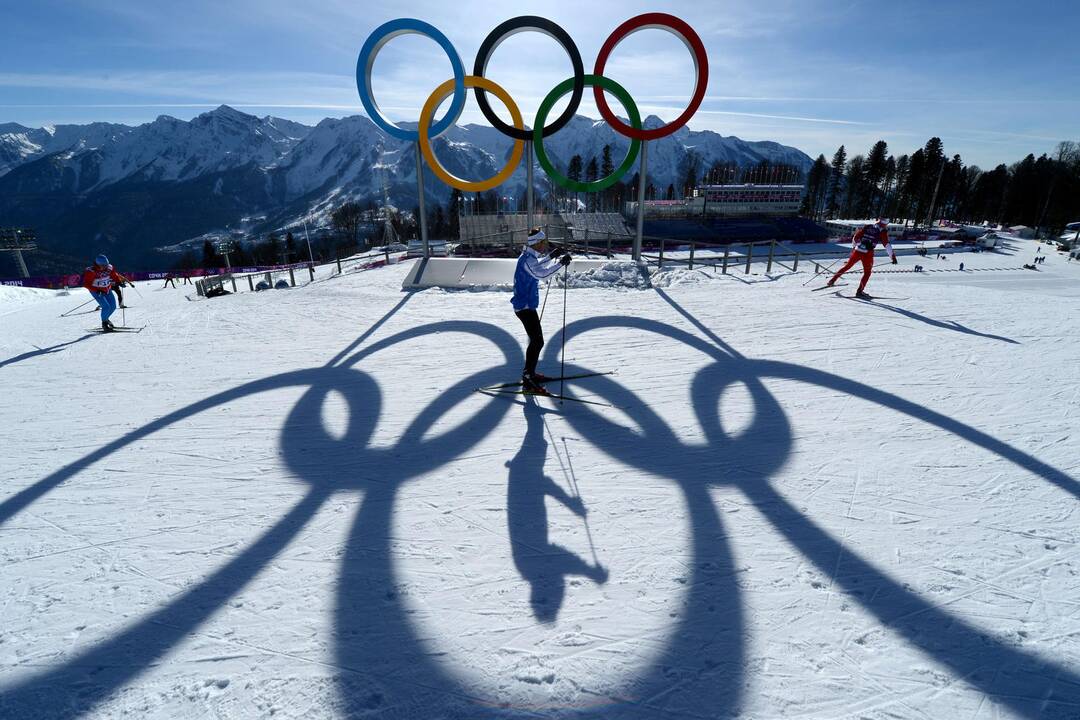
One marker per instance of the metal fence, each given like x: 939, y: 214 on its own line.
x: 770, y: 252
x: 214, y: 285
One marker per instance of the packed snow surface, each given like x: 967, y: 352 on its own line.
x: 294, y: 504
x: 13, y: 296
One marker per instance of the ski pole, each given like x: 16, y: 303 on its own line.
x: 822, y: 272
x: 577, y: 491
x: 76, y: 308
x: 562, y: 350
x: 136, y: 289
x: 546, y: 293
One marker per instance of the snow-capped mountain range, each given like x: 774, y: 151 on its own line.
x: 157, y: 184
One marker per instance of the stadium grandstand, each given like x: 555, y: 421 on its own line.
x: 724, y: 231
x: 846, y: 228
x: 583, y: 226
x: 726, y: 214
x: 900, y: 229
x: 487, y: 234
x: 721, y: 214
x: 726, y: 201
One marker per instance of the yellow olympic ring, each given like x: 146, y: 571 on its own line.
x: 433, y: 102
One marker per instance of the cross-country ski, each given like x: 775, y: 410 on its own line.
x: 545, y: 380
x: 544, y: 395
x: 118, y: 329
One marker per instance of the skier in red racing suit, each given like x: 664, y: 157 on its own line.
x: 863, y: 243
x: 99, y: 279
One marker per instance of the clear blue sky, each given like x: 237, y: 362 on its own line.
x: 994, y: 79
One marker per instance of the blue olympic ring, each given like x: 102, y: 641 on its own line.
x: 384, y: 34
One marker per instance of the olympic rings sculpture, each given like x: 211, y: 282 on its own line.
x: 457, y: 86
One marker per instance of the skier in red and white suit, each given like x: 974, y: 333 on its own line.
x: 99, y: 279
x: 863, y: 243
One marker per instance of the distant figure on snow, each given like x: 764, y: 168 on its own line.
x: 100, y: 279
x: 117, y: 289
x: 534, y: 265
x: 170, y: 279
x: 863, y: 243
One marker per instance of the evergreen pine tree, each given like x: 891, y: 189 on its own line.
x: 816, y: 181
x: 887, y: 185
x: 875, y: 168
x: 839, y: 162
x: 607, y: 169
x: 453, y: 225
x: 916, y: 177
x: 290, y: 247
x: 856, y: 178
x: 573, y: 171
x: 607, y: 166
x: 934, y: 166
x: 591, y: 173
x: 210, y: 258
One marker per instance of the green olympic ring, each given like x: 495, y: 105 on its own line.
x: 553, y: 97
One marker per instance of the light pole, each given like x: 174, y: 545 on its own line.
x: 308, y: 239
x: 225, y: 247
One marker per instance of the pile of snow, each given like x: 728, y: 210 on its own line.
x: 629, y: 276
x: 673, y: 275
x: 626, y: 275
x: 12, y: 296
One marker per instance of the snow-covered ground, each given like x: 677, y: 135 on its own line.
x: 13, y: 297
x: 293, y: 503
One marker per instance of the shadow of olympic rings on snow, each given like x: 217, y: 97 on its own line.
x: 325, y: 463
x: 386, y: 666
x: 1025, y: 683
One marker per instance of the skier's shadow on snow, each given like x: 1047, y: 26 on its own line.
x: 43, y: 351
x: 945, y: 325
x: 543, y: 564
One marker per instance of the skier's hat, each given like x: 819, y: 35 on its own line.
x: 884, y: 222
x: 535, y: 236
x: 101, y: 260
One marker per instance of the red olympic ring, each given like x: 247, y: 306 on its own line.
x: 685, y: 33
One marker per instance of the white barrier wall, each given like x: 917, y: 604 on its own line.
x: 473, y: 272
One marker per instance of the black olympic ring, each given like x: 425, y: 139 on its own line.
x: 525, y: 23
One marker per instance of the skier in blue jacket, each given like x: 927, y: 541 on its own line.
x: 533, y: 265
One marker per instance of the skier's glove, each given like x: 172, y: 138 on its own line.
x: 565, y: 259
x: 557, y: 252
x: 894, y: 261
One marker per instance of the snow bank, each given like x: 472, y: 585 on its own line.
x: 675, y: 275
x: 629, y: 275
x: 609, y: 275
x: 12, y: 297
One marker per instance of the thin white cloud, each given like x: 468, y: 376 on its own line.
x: 793, y: 118
x: 861, y: 99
